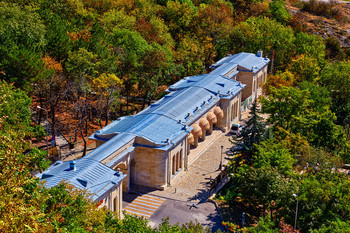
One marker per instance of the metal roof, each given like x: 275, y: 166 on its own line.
x: 109, y: 147
x: 189, y: 98
x: 88, y: 174
x: 224, y: 69
x: 245, y: 61
x: 153, y: 127
x: 166, y: 119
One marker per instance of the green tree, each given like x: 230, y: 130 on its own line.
x: 274, y: 154
x: 285, y: 106
x: 323, y: 197
x: 14, y: 108
x: 58, y: 42
x: 335, y: 77
x: 310, y: 45
x: 279, y: 11
x: 268, y: 35
x: 264, y: 186
x: 305, y: 69
x: 244, y: 146
x: 133, y: 49
x: 22, y: 39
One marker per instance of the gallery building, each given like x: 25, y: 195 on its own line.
x: 154, y: 146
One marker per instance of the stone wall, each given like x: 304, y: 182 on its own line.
x: 113, y: 200
x: 177, y: 160
x: 149, y: 168
x: 246, y: 78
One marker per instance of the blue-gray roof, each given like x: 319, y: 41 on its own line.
x: 153, y: 127
x: 224, y: 69
x: 246, y: 61
x: 166, y: 119
x: 89, y: 174
x: 109, y: 147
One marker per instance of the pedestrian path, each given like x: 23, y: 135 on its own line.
x: 144, y: 206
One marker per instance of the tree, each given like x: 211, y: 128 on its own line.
x: 108, y: 87
x: 14, y: 108
x: 179, y: 16
x: 335, y: 77
x: 58, y: 42
x: 285, y: 106
x: 274, y: 154
x: 132, y: 48
x: 244, y: 147
x: 310, y: 45
x: 22, y: 39
x: 82, y: 66
x: 264, y: 186
x: 265, y: 34
x: 305, y: 68
x: 215, y: 21
x: 276, y: 81
x: 323, y: 197
x: 117, y: 19
x: 279, y: 11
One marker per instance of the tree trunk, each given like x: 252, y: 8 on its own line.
x: 41, y: 105
x: 106, y: 111
x: 52, y: 111
x: 271, y: 213
x: 84, y: 151
x: 144, y: 101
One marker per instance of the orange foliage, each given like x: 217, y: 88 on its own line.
x: 286, y: 228
x: 145, y: 29
x: 286, y: 79
x: 84, y: 34
x: 52, y: 64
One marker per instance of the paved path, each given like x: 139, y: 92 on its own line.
x: 144, y: 206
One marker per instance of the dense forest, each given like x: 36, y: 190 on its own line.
x: 90, y: 61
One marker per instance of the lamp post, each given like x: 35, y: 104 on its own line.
x: 47, y: 131
x: 296, y: 211
x: 222, y: 148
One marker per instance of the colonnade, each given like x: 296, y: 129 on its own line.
x: 205, y: 124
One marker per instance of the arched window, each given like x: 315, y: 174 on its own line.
x: 115, y: 202
x: 232, y: 112
x: 173, y: 165
x: 181, y: 159
x: 177, y: 161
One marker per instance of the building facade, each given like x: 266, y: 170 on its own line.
x: 154, y: 146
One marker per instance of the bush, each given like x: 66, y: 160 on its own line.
x: 321, y: 8
x: 38, y: 132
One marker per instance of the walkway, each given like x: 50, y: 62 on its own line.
x: 144, y: 206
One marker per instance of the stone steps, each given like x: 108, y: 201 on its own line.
x: 144, y: 206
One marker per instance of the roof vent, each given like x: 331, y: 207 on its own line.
x: 84, y: 183
x: 72, y: 165
x: 118, y: 172
x: 259, y: 53
x: 179, y: 121
x: 58, y: 162
x: 44, y: 176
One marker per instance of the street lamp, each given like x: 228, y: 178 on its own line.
x: 47, y: 131
x: 222, y: 148
x: 296, y: 211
